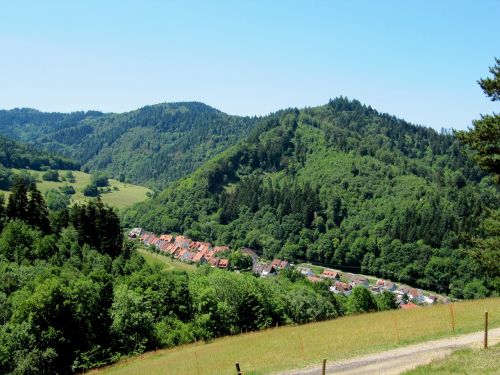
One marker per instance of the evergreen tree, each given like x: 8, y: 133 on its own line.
x: 484, y: 138
x: 38, y: 213
x: 98, y: 226
x: 17, y: 206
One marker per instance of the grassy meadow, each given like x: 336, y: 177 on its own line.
x: 125, y: 196
x: 299, y: 346
x: 165, y: 262
x: 464, y: 361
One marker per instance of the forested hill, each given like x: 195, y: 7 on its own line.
x: 15, y: 154
x: 343, y: 185
x: 151, y: 146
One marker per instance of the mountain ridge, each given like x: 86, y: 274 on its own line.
x: 175, y: 138
x: 339, y: 184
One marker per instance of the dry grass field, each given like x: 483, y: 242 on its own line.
x: 299, y: 346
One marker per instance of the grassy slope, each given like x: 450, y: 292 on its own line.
x: 298, y: 346
x: 465, y: 361
x: 125, y: 196
x: 165, y: 262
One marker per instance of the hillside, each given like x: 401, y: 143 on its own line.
x: 15, y: 154
x: 293, y: 347
x: 150, y: 146
x: 341, y: 185
x: 120, y: 195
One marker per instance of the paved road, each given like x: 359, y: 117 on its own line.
x: 399, y: 360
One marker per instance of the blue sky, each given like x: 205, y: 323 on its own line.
x: 417, y: 60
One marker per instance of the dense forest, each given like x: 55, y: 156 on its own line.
x: 74, y: 294
x: 150, y: 146
x: 341, y: 185
x: 19, y: 155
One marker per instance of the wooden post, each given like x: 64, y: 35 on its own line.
x: 238, y: 370
x: 323, y: 369
x: 452, y: 317
x: 486, y: 329
x: 197, y: 363
x: 302, y: 348
x: 395, y: 324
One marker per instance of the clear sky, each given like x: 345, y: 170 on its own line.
x: 418, y: 60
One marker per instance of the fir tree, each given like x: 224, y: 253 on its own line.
x: 17, y: 206
x: 37, y: 211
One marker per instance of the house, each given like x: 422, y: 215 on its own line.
x: 413, y: 294
x: 166, y: 238
x: 219, y: 249
x: 147, y: 238
x: 386, y: 285
x: 172, y: 248
x: 182, y: 241
x: 314, y: 279
x: 359, y: 281
x: 200, y: 258
x: 341, y: 288
x: 151, y: 240
x: 223, y: 263
x: 330, y: 274
x: 407, y: 306
x: 258, y: 268
x: 154, y: 242
x: 214, y: 262
x: 390, y: 286
x: 204, y: 246
x: 135, y: 233
x: 185, y: 255
x: 269, y: 270
x: 164, y: 247
x: 375, y: 289
x: 430, y: 299
x: 279, y: 264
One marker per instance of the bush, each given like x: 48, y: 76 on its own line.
x: 51, y: 175
x: 99, y: 180
x: 67, y: 189
x: 70, y: 177
x: 56, y: 200
x: 90, y: 191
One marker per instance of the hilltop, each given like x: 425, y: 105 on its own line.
x: 150, y: 146
x: 341, y: 185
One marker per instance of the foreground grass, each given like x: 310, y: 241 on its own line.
x: 299, y: 346
x: 165, y: 262
x: 465, y: 361
x: 125, y: 196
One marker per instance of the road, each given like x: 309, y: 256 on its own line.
x: 402, y: 359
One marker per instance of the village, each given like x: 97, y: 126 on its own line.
x: 186, y: 250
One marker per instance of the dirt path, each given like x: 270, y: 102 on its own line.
x: 399, y: 360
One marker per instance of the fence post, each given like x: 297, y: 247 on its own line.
x: 238, y: 370
x: 452, y: 317
x: 323, y: 369
x: 486, y: 329
x: 197, y: 363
